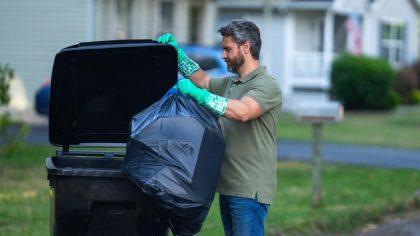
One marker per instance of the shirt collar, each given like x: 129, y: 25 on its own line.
x: 250, y: 76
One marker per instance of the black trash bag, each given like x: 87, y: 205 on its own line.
x: 174, y: 156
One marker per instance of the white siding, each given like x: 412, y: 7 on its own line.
x: 309, y: 30
x: 143, y: 20
x: 277, y: 48
x: 32, y: 32
x: 349, y: 6
x: 140, y: 17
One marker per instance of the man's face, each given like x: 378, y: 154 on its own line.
x: 232, y: 54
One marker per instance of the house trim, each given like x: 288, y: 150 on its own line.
x: 240, y: 5
x: 309, y: 5
x: 292, y: 5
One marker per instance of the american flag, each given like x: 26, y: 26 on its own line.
x: 353, y: 27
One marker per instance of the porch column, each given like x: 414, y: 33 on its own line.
x: 328, y: 45
x: 208, y: 20
x: 369, y: 32
x: 156, y: 22
x: 141, y: 19
x: 268, y: 18
x: 290, y: 51
x: 182, y: 14
x: 90, y: 19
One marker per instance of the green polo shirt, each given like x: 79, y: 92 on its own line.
x: 250, y: 163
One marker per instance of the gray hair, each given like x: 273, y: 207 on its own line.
x: 242, y: 31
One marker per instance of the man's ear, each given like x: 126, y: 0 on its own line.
x: 246, y: 47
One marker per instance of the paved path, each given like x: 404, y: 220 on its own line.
x: 405, y: 225
x: 384, y: 157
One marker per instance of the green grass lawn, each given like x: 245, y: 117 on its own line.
x: 352, y: 195
x: 24, y: 192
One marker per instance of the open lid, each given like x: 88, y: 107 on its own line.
x: 97, y: 87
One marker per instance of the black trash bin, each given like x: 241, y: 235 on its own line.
x: 96, y: 88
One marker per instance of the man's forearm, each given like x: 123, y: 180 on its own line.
x: 242, y: 110
x: 200, y: 79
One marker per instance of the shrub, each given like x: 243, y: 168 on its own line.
x: 12, y: 133
x: 416, y: 67
x: 415, y: 96
x: 361, y: 82
x: 405, y: 84
x: 6, y: 76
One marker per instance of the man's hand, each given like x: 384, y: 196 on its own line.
x: 215, y: 103
x: 186, y: 66
x: 188, y: 88
x: 168, y: 38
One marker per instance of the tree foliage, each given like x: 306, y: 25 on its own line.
x: 361, y: 82
x: 12, y: 133
x: 6, y: 76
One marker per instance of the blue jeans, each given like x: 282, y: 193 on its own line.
x: 242, y: 216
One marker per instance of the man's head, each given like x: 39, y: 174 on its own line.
x: 243, y: 31
x: 241, y: 41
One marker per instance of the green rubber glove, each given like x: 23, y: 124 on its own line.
x: 186, y: 66
x: 215, y: 103
x: 168, y: 38
x: 188, y: 88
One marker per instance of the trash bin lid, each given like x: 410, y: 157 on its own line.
x: 97, y: 87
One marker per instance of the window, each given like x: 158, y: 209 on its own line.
x: 392, y: 42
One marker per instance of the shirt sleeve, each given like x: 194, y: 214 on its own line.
x: 218, y: 86
x: 266, y: 93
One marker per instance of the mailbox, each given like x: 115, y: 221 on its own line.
x: 319, y: 112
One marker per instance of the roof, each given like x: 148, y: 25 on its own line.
x: 416, y: 4
x: 292, y: 4
x: 312, y: 0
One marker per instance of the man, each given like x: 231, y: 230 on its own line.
x: 249, y: 105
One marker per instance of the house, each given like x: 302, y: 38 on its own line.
x: 300, y: 37
x: 32, y: 32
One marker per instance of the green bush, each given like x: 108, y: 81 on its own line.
x: 361, y: 82
x: 415, y: 96
x: 416, y: 67
x: 406, y: 83
x: 6, y: 76
x: 12, y: 133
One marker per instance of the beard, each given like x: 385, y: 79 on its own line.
x: 234, y: 64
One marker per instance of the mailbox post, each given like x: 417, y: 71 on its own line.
x: 317, y: 114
